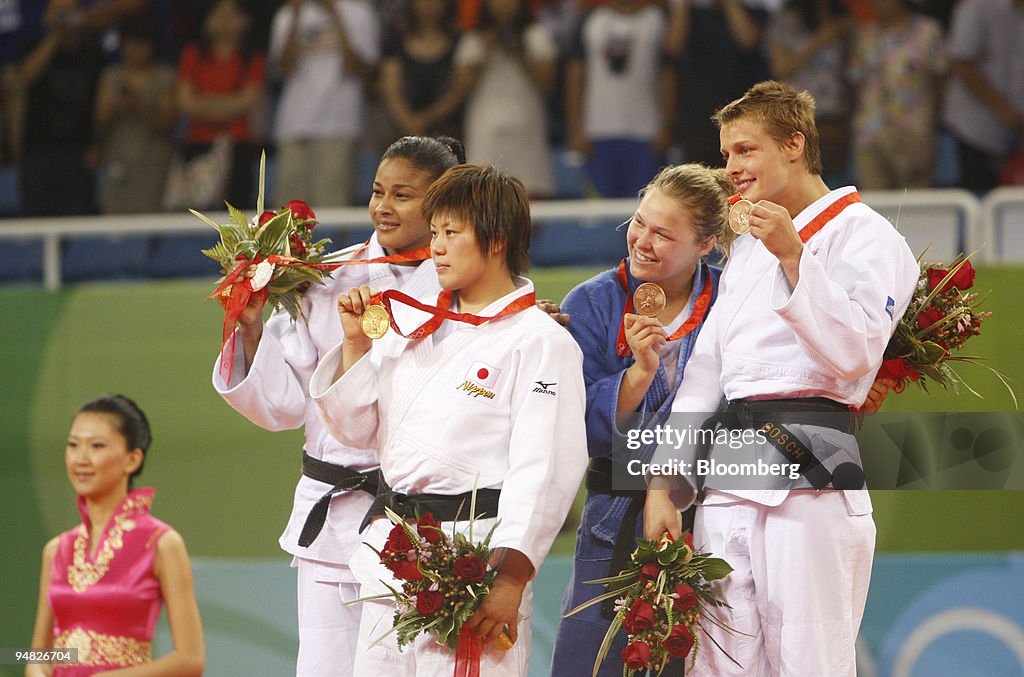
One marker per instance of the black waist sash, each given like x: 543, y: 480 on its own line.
x: 770, y: 416
x: 341, y: 479
x: 444, y: 507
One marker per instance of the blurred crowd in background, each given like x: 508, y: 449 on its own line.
x: 114, y: 106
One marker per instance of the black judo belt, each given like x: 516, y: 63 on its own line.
x: 771, y: 418
x: 444, y: 507
x: 341, y: 479
x: 599, y: 480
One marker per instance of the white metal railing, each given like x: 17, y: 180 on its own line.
x: 953, y: 217
x: 1002, y: 220
x: 52, y: 230
x: 946, y: 221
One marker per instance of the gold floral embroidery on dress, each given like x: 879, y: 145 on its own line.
x: 96, y: 648
x: 82, y: 573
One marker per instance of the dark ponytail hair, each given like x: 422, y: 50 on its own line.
x: 433, y: 155
x: 131, y: 422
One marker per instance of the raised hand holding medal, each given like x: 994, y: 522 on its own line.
x: 352, y: 305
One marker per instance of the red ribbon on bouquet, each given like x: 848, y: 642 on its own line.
x: 467, y: 656
x: 239, y: 291
x: 234, y: 302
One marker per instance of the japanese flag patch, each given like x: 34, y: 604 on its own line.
x: 483, y: 374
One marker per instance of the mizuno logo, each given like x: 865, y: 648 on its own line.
x: 545, y: 388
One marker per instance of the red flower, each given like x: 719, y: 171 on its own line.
x: 679, y: 642
x: 298, y: 247
x: 398, y: 540
x: 429, y: 529
x: 264, y: 217
x: 898, y: 369
x: 470, y: 568
x: 928, y: 317
x: 637, y: 655
x: 301, y: 211
x: 686, y: 598
x: 404, y: 569
x: 640, y: 617
x: 650, y: 571
x: 963, y: 278
x: 688, y: 539
x: 428, y: 602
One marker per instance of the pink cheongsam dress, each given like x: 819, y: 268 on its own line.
x: 106, y: 603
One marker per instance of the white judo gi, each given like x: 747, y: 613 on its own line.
x: 496, y: 405
x: 802, y: 558
x: 275, y: 395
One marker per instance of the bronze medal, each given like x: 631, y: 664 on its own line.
x: 375, y: 321
x: 739, y: 216
x: 649, y: 299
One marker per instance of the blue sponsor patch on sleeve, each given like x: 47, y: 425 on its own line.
x: 890, y: 305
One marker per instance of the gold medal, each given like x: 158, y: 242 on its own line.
x: 503, y: 642
x: 649, y: 299
x: 375, y: 321
x: 739, y: 216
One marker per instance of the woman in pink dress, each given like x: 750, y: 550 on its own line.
x: 104, y: 581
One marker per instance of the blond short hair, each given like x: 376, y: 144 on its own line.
x: 782, y: 111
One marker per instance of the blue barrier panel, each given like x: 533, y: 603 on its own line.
x: 23, y: 261
x: 105, y: 258
x: 949, y: 615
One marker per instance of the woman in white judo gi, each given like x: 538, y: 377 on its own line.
x: 493, y: 399
x: 270, y: 385
x: 806, y: 306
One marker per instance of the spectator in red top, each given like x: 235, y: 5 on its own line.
x: 220, y: 85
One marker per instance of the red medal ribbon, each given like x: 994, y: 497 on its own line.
x: 441, y: 313
x: 467, y: 656
x: 700, y: 309
x: 413, y: 255
x: 830, y: 212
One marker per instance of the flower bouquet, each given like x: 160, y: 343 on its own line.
x: 279, y: 249
x: 444, y: 578
x: 941, y: 317
x: 661, y: 601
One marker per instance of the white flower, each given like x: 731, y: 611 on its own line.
x: 261, y: 276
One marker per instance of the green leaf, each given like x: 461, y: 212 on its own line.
x: 273, y: 234
x: 592, y: 602
x: 668, y: 556
x: 933, y: 351
x: 933, y: 372
x: 263, y: 182
x: 715, y: 568
x: 606, y: 643
x: 215, y: 225
x: 238, y: 217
